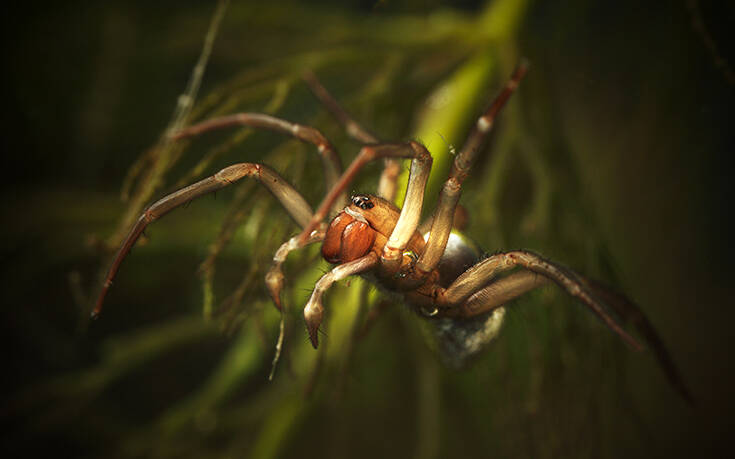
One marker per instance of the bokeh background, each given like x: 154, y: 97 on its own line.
x: 614, y: 157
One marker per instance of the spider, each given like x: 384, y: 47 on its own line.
x: 435, y: 271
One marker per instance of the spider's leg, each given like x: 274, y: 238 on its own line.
x: 502, y: 291
x: 420, y: 167
x: 408, y: 220
x: 389, y: 179
x: 472, y: 281
x: 392, y: 168
x: 352, y: 127
x: 314, y: 309
x: 632, y: 313
x: 292, y: 201
x: 474, y: 291
x: 330, y: 161
x: 444, y: 214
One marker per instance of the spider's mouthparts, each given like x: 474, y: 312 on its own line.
x: 313, y: 313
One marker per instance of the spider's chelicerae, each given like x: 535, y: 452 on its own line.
x: 436, y: 272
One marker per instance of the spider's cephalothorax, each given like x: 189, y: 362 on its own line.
x: 363, y: 226
x: 438, y: 273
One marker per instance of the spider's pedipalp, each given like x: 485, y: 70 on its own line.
x: 314, y: 309
x: 274, y: 278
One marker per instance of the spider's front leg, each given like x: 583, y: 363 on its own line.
x: 392, y: 166
x: 294, y: 203
x: 290, y: 199
x: 443, y: 217
x: 330, y: 161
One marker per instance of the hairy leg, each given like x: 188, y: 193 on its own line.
x: 291, y: 200
x: 473, y: 292
x: 392, y: 168
x: 632, y: 313
x: 503, y: 290
x: 444, y: 214
x: 478, y: 291
x: 330, y: 161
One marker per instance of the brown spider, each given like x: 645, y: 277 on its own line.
x: 436, y: 272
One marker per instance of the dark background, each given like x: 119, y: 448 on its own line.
x: 627, y: 111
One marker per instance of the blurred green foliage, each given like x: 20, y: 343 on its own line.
x: 613, y: 158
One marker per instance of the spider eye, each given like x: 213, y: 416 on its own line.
x: 362, y: 201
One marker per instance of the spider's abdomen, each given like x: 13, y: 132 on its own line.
x: 348, y: 238
x: 460, y: 254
